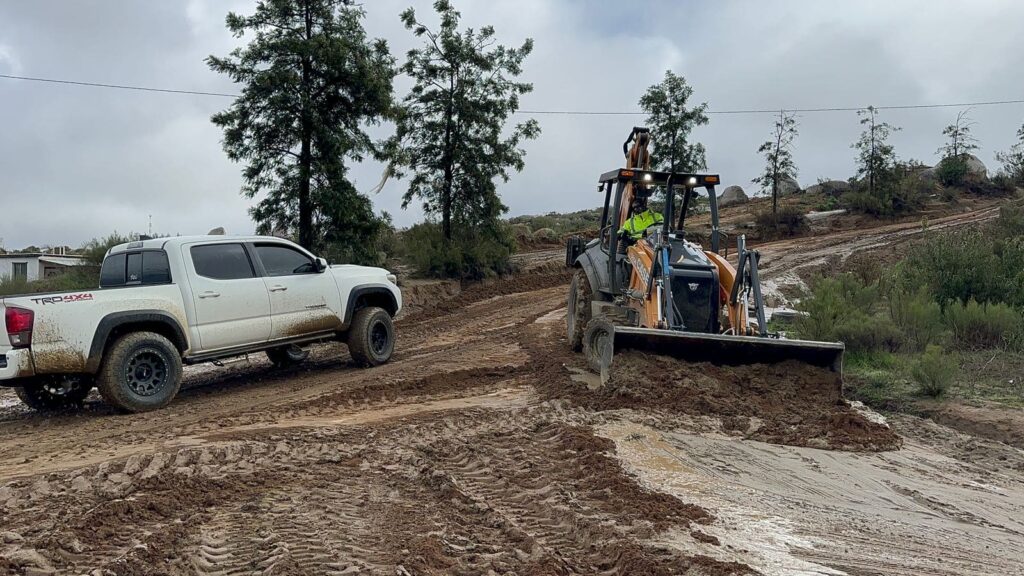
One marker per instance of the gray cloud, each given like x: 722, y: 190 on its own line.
x: 79, y: 162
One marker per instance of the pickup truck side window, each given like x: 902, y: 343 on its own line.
x: 222, y: 261
x: 112, y: 271
x: 281, y: 260
x: 155, y: 269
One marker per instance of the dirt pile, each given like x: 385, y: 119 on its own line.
x: 787, y: 403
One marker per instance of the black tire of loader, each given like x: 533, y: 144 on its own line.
x: 598, y: 342
x: 579, y: 309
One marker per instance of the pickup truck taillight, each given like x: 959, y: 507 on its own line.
x: 19, y: 326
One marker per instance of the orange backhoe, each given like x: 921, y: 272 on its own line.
x: 663, y: 293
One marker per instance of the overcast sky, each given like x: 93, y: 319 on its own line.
x: 78, y: 162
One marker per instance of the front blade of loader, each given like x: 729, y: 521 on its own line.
x: 729, y: 350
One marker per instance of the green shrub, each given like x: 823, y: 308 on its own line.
x: 785, y: 222
x: 982, y: 326
x: 863, y: 334
x: 934, y: 371
x: 843, y: 308
x: 911, y: 193
x: 469, y: 254
x: 917, y: 316
x: 863, y: 202
x: 85, y: 277
x: 952, y: 171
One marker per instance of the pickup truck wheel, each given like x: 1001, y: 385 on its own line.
x: 371, y: 340
x: 287, y: 355
x: 55, y: 392
x: 141, y: 372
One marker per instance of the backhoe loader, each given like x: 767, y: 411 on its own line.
x: 662, y: 293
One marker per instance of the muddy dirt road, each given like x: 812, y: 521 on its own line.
x: 478, y: 451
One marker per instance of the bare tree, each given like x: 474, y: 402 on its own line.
x: 778, y: 156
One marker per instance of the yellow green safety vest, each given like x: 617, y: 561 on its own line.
x: 636, y: 225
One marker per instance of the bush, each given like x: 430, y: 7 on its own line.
x: 934, y: 371
x: 917, y: 316
x: 911, y: 193
x: 999, y: 185
x: 469, y: 255
x: 979, y: 326
x: 863, y: 202
x: 787, y: 221
x: 842, y: 308
x: 952, y: 171
x: 84, y: 277
x: 865, y: 334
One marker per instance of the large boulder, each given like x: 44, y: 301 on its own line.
x: 976, y: 167
x: 830, y: 188
x: 732, y: 195
x: 788, y: 185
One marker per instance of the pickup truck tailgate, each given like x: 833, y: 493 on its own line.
x: 5, y: 342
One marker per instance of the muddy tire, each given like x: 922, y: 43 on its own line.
x: 141, y: 372
x: 49, y: 393
x: 371, y: 339
x: 598, y: 343
x: 578, y: 303
x: 287, y: 355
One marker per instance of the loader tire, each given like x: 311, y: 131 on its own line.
x: 598, y: 344
x: 371, y: 340
x: 579, y: 309
x: 141, y: 372
x: 286, y: 356
x: 58, y: 392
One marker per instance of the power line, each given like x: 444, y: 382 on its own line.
x: 119, y: 86
x: 549, y: 112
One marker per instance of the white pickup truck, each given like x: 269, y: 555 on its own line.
x: 169, y: 301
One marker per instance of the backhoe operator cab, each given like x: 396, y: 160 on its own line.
x: 693, y: 276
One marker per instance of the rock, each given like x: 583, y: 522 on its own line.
x: 81, y: 484
x: 545, y: 235
x: 976, y: 166
x: 218, y: 231
x: 732, y: 195
x: 9, y: 537
x: 832, y: 188
x: 28, y: 558
x: 788, y: 185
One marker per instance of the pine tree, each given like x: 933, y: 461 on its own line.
x: 778, y: 157
x: 450, y: 131
x: 671, y: 122
x: 876, y: 158
x: 311, y: 81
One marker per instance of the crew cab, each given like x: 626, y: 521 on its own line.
x: 166, y: 302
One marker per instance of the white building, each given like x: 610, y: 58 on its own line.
x: 33, y: 266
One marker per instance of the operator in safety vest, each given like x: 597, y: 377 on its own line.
x: 642, y: 219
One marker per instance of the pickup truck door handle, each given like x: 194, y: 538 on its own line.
x: 209, y: 294
x: 278, y: 288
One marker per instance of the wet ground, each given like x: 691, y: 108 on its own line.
x: 482, y: 449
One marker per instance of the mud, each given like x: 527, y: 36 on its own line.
x: 479, y: 450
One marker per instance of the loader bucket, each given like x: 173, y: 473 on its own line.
x: 718, y: 348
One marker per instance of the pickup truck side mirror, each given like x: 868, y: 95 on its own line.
x: 321, y: 265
